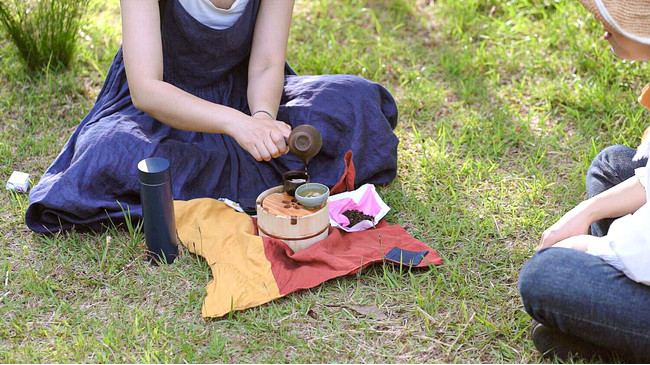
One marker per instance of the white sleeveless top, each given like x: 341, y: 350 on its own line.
x: 209, y: 15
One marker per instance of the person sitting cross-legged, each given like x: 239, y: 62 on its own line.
x: 587, y: 287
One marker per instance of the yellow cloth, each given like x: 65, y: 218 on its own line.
x: 241, y: 274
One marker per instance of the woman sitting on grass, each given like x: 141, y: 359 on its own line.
x: 204, y: 84
x: 588, y: 293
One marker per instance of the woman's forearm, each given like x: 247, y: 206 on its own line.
x: 183, y: 110
x: 263, y: 139
x: 624, y: 198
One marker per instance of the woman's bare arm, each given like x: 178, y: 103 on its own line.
x: 143, y: 60
x: 624, y: 198
x: 268, y: 56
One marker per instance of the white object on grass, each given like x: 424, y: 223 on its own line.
x: 234, y: 205
x: 18, y: 181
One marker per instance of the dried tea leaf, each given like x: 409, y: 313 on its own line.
x: 356, y: 216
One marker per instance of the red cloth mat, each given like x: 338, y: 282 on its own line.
x: 341, y: 253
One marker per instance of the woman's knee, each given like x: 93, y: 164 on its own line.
x: 533, y: 276
x: 616, y: 159
x: 547, y: 278
x: 610, y: 167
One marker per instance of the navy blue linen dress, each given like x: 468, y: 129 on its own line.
x: 95, y: 177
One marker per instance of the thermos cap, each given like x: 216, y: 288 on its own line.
x: 153, y: 170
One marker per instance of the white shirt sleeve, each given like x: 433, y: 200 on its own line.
x: 642, y: 174
x: 601, y: 247
x: 627, y: 243
x: 629, y: 238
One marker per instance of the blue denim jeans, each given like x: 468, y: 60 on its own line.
x: 612, y: 166
x: 579, y: 294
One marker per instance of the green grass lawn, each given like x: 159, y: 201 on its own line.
x: 503, y: 104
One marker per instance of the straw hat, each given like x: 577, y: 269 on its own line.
x: 631, y: 18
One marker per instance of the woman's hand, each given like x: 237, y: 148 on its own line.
x: 574, y: 222
x: 263, y: 137
x: 624, y: 198
x: 580, y: 242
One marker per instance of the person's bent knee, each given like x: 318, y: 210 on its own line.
x: 544, y: 279
x: 612, y: 156
x: 530, y: 277
x: 610, y: 167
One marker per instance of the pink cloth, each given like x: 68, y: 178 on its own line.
x: 367, y: 204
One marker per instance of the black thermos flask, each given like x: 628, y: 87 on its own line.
x: 158, y: 209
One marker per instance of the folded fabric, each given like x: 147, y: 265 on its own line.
x: 405, y: 257
x: 346, y: 182
x: 249, y: 270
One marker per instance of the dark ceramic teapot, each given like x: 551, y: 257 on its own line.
x: 305, y: 141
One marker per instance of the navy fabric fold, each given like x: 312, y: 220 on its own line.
x: 94, y: 179
x: 400, y: 256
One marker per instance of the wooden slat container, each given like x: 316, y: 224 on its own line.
x: 280, y: 216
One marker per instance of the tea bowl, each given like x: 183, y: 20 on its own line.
x: 312, y: 195
x: 291, y: 180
